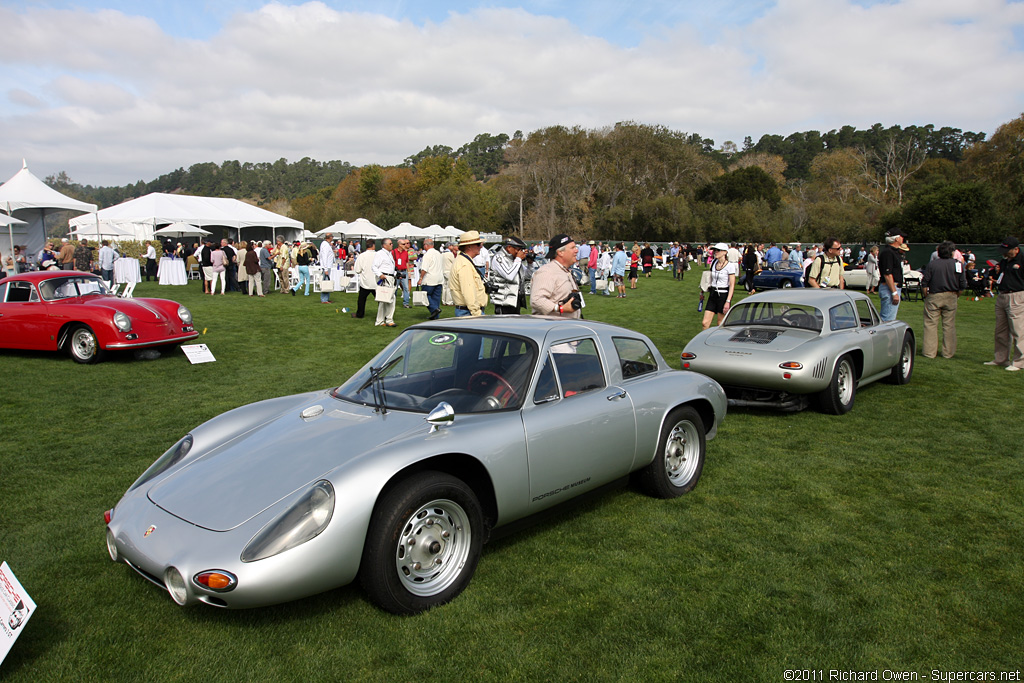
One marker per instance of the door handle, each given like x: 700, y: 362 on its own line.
x: 621, y: 393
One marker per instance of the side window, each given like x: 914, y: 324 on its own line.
x: 843, y: 317
x: 21, y: 292
x: 866, y: 313
x: 3, y: 291
x: 578, y: 365
x: 635, y: 358
x: 547, y: 387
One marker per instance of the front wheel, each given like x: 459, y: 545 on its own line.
x: 82, y: 345
x: 904, y: 367
x: 423, y: 543
x: 680, y: 457
x: 837, y: 398
x: 786, y: 284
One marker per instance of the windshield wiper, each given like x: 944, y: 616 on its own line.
x: 376, y: 378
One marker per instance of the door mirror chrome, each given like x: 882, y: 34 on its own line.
x: 442, y: 414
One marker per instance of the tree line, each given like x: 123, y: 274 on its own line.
x: 639, y: 181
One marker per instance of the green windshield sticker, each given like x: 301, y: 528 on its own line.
x: 442, y: 339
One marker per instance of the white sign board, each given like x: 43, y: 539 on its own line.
x: 15, y: 609
x: 198, y: 353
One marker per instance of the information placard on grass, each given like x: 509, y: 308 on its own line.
x: 15, y: 609
x: 198, y: 353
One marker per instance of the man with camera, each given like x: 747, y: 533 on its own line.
x: 508, y: 277
x: 554, y: 290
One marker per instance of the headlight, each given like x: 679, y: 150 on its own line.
x: 172, y: 457
x: 175, y: 585
x: 300, y: 523
x: 185, y: 315
x: 123, y: 322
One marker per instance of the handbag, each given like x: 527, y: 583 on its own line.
x: 385, y: 294
x: 600, y: 284
x: 419, y: 298
x: 327, y: 284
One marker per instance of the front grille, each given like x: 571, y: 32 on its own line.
x: 751, y: 335
x: 146, y: 575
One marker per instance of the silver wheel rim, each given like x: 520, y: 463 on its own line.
x: 433, y: 546
x: 906, y: 360
x: 844, y: 383
x: 682, y: 453
x: 83, y: 344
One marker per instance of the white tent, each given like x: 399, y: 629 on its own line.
x: 334, y: 229
x: 145, y: 214
x: 180, y: 229
x: 26, y: 197
x: 360, y: 227
x: 407, y: 229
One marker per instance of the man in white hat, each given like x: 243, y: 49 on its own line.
x: 464, y: 281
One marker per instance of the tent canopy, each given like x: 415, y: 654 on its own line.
x: 29, y: 198
x: 148, y: 212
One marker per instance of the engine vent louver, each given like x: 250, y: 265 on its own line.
x: 819, y: 369
x: 751, y: 335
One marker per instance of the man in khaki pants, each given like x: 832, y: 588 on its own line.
x: 943, y: 280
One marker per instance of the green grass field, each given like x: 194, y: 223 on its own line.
x: 891, y: 538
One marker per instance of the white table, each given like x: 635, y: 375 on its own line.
x: 126, y: 270
x: 171, y: 271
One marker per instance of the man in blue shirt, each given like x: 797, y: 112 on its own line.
x: 773, y: 256
x: 619, y: 261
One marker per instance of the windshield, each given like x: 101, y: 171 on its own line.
x: 71, y: 286
x: 473, y: 371
x: 801, y: 316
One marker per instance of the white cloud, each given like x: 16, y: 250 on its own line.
x: 122, y: 100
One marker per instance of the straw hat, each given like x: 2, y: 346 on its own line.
x: 470, y: 237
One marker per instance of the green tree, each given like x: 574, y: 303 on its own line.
x: 746, y: 184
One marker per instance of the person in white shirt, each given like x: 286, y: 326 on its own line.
x: 150, y: 261
x: 384, y: 274
x: 432, y: 277
x: 723, y: 284
x: 364, y: 272
x: 326, y: 259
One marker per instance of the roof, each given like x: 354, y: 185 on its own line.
x: 526, y: 325
x: 41, y: 275
x: 25, y: 191
x: 159, y: 208
x: 808, y: 296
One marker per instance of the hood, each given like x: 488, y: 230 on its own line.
x: 755, y: 338
x: 227, y: 486
x: 139, y: 310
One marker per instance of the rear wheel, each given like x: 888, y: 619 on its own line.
x: 904, y: 367
x: 82, y: 345
x: 785, y: 284
x: 837, y: 398
x: 423, y: 544
x: 679, y: 460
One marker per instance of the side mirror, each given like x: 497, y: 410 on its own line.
x: 442, y: 414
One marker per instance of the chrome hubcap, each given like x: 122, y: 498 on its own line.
x: 433, y: 547
x: 682, y: 452
x: 906, y: 360
x: 845, y: 380
x: 83, y: 343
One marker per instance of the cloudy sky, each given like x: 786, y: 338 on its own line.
x: 115, y: 91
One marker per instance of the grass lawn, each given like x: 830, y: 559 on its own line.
x: 891, y: 538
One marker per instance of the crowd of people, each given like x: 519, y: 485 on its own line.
x: 546, y: 279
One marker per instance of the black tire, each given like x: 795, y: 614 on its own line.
x: 904, y: 368
x: 679, y: 461
x: 82, y: 345
x: 785, y: 284
x: 430, y: 516
x: 837, y: 398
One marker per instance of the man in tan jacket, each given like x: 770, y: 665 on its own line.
x: 554, y: 291
x: 464, y: 281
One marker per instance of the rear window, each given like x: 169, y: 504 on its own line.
x: 802, y: 316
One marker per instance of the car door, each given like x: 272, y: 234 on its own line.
x: 22, y: 317
x: 580, y: 431
x: 875, y: 339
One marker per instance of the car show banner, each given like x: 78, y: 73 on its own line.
x: 15, y: 609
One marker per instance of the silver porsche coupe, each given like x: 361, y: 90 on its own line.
x: 398, y: 476
x: 782, y: 348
